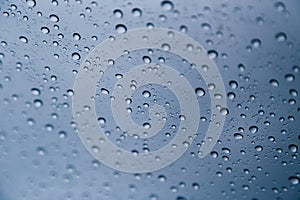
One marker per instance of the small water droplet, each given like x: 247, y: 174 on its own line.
x: 75, y: 56
x: 253, y: 129
x: 167, y: 5
x: 212, y: 54
x: 30, y: 3
x: 23, y: 39
x: 274, y: 83
x: 146, y: 94
x: 137, y: 12
x: 121, y: 28
x: 118, y: 13
x: 238, y: 136
x: 200, y: 92
x: 293, y: 148
x: 45, y: 30
x: 280, y: 37
x: 76, y: 36
x: 256, y: 43
x: 294, y: 180
x: 53, y: 18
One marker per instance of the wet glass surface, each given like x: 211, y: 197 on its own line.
x: 255, y: 46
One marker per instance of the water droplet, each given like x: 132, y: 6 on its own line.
x: 196, y: 186
x: 104, y: 91
x: 231, y: 95
x: 101, y: 120
x: 75, y: 56
x: 167, y: 5
x: 289, y: 77
x: 30, y: 3
x: 53, y: 18
x: 41, y: 151
x: 23, y: 39
x: 294, y: 180
x: 293, y: 148
x: 274, y: 83
x: 253, y: 129
x: 146, y: 59
x: 214, y: 154
x: 137, y: 12
x: 258, y: 148
x: 76, y: 36
x: 35, y: 91
x: 224, y: 111
x: 166, y: 47
x: 281, y: 37
x: 293, y: 92
x: 200, y: 92
x: 233, y: 84
x: 45, y: 30
x: 256, y: 43
x: 206, y: 26
x: 121, y: 28
x: 212, y: 54
x: 280, y: 7
x: 146, y: 125
x: 238, y: 136
x: 146, y: 94
x: 162, y: 178
x: 38, y: 103
x: 118, y: 13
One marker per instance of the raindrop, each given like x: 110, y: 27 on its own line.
x: 38, y: 103
x: 35, y: 91
x: 101, y: 120
x: 238, y: 136
x: 293, y: 148
x: 146, y: 59
x: 206, y: 26
x: 118, y: 13
x: 214, y: 154
x: 31, y: 3
x: 280, y: 7
x: 294, y: 180
x: 233, y: 84
x: 121, y: 28
x: 41, y: 151
x: 76, y: 36
x: 167, y: 5
x: 200, y: 92
x: 253, y: 129
x: 23, y: 39
x: 281, y: 37
x: 289, y: 77
x: 274, y: 83
x: 137, y: 12
x: 104, y: 91
x: 146, y: 125
x: 62, y: 134
x: 146, y: 94
x: 256, y: 43
x: 53, y: 18
x: 212, y: 54
x: 224, y: 111
x: 75, y: 56
x: 45, y: 30
x: 258, y: 148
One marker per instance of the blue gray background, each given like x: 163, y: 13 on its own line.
x: 255, y: 45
